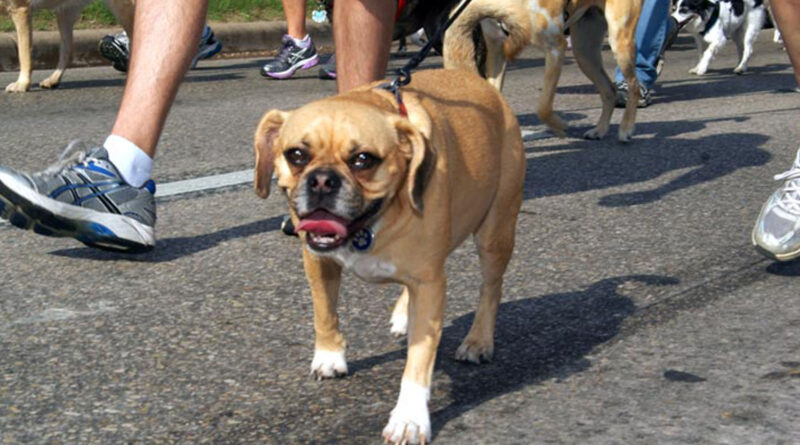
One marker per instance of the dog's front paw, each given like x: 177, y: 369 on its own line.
x: 399, y: 324
x: 410, y: 422
x: 740, y: 70
x: 594, y: 134
x: 698, y: 70
x: 328, y: 364
x: 50, y: 83
x: 475, y: 351
x: 18, y: 87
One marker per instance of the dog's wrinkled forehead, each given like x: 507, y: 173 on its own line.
x: 340, y: 128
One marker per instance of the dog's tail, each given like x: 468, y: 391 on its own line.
x: 504, y: 20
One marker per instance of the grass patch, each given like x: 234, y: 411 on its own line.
x: 97, y: 15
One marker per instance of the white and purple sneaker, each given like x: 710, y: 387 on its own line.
x: 291, y: 58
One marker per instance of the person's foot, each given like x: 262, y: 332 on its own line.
x: 84, y: 197
x: 328, y: 69
x: 645, y: 95
x: 777, y: 230
x: 290, y: 59
x: 209, y: 46
x: 116, y: 48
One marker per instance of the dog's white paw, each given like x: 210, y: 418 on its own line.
x: 593, y: 134
x: 475, y: 352
x: 328, y: 364
x: 50, y: 83
x: 624, y: 136
x: 410, y: 422
x: 698, y: 70
x: 740, y: 70
x: 399, y: 324
x: 18, y: 87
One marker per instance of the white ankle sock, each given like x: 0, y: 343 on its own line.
x: 304, y: 42
x: 133, y: 164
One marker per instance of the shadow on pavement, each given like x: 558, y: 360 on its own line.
x: 787, y: 269
x: 582, y: 165
x: 536, y: 339
x: 169, y: 249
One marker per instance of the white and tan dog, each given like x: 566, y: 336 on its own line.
x: 67, y: 13
x: 507, y: 26
x: 389, y: 197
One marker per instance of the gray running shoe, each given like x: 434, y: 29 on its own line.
x: 84, y: 197
x: 645, y: 95
x: 328, y: 69
x: 117, y: 48
x: 777, y: 230
x: 290, y: 59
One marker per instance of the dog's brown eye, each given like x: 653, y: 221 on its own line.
x: 297, y: 157
x: 363, y: 161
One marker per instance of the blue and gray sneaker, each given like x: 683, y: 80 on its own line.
x: 117, y: 48
x: 84, y: 197
x: 290, y: 59
x: 777, y: 230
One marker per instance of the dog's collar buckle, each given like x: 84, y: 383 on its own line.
x: 394, y: 88
x: 362, y: 240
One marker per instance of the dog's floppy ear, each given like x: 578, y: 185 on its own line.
x: 264, y: 139
x: 422, y: 163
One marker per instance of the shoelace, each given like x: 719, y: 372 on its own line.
x: 75, y: 153
x: 286, y: 51
x: 790, y: 196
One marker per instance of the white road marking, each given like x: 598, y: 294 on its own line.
x: 204, y: 183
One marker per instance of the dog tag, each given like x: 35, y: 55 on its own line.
x: 319, y: 15
x: 362, y: 240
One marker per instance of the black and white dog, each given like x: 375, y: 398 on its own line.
x: 716, y: 21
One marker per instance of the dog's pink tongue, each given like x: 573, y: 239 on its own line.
x: 323, y: 222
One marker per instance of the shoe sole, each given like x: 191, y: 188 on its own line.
x: 111, y: 51
x: 207, y: 52
x: 301, y: 65
x: 326, y: 75
x: 775, y: 256
x: 26, y: 209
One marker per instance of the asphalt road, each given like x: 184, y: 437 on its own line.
x: 635, y: 309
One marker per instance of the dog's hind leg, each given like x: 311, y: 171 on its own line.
x: 494, y: 240
x: 399, y: 320
x: 23, y: 22
x: 755, y: 21
x: 553, y: 62
x: 66, y: 21
x: 324, y: 277
x: 622, y: 18
x: 587, y: 45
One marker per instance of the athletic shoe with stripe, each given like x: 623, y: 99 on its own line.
x: 290, y: 59
x: 117, y: 48
x: 84, y: 197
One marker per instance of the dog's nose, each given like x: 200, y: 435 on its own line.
x: 324, y: 182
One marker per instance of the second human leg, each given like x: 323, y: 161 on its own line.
x: 362, y: 32
x: 164, y: 42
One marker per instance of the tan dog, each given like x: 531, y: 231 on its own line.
x: 389, y: 197
x: 508, y: 25
x: 67, y: 12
